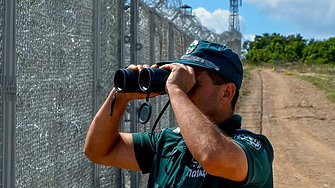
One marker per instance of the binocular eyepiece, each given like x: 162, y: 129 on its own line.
x: 147, y: 80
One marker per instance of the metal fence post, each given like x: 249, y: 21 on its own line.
x: 152, y: 37
x: 96, y: 72
x: 134, y: 176
x: 171, y: 41
x: 121, y: 65
x: 134, y: 6
x: 9, y: 104
x: 153, y: 60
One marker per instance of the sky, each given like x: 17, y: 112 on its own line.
x: 310, y: 18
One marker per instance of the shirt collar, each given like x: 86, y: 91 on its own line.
x: 230, y: 125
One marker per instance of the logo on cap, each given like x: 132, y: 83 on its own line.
x: 192, y: 47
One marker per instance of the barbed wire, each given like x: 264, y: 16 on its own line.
x: 189, y: 23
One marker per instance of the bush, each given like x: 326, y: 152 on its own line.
x: 293, y: 48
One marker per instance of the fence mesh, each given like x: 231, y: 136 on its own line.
x: 144, y: 34
x: 54, y: 96
x: 110, y: 62
x: 1, y: 85
x: 162, y: 53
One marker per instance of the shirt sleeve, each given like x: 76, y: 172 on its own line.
x: 143, y: 151
x: 260, y: 156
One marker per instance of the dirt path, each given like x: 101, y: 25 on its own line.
x: 299, y: 122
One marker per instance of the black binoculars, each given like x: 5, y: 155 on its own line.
x: 148, y: 80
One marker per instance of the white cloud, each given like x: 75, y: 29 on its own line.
x: 313, y: 18
x: 217, y: 21
x: 249, y: 37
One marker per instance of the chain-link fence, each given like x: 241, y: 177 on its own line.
x: 54, y: 97
x: 66, y: 53
x: 1, y: 87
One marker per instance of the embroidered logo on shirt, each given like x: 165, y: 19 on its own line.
x: 250, y: 140
x: 196, y: 170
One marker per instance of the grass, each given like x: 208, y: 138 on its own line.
x: 246, y: 70
x: 246, y: 76
x: 289, y: 73
x: 327, y: 69
x: 245, y: 92
x: 323, y: 76
x: 299, y: 104
x: 326, y: 83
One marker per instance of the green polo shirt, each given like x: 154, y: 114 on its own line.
x: 180, y: 169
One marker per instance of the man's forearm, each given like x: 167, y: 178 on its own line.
x: 104, y: 129
x: 199, y: 133
x: 217, y: 154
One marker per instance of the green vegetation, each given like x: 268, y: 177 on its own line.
x: 246, y: 71
x: 289, y: 73
x: 245, y: 92
x: 246, y: 76
x: 276, y: 48
x: 299, y: 104
x: 327, y: 69
x: 326, y: 83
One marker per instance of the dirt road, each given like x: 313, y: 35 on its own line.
x: 299, y: 122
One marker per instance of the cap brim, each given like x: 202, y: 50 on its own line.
x: 186, y: 62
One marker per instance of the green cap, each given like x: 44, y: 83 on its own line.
x: 213, y: 56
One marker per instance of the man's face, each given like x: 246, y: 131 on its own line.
x: 204, y: 94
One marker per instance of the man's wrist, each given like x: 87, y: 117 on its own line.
x: 122, y: 98
x: 175, y: 90
x: 118, y: 98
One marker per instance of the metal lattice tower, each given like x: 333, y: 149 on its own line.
x: 234, y: 21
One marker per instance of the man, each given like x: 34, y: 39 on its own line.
x: 209, y: 148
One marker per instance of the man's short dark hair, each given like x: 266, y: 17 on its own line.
x: 219, y: 79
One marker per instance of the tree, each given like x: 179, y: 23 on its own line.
x: 293, y: 48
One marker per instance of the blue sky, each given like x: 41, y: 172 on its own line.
x: 310, y: 18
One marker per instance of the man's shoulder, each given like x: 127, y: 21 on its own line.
x: 256, y: 141
x: 260, y: 155
x: 245, y: 133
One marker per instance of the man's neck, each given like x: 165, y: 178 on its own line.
x: 222, y: 116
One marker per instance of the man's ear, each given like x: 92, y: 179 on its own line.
x: 229, y: 90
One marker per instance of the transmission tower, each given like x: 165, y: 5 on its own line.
x: 234, y: 20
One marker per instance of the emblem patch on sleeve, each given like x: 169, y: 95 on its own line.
x: 250, y: 140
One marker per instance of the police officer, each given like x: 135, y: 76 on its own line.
x: 209, y: 148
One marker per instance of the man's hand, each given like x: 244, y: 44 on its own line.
x: 182, y: 77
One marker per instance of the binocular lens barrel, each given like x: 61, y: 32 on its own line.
x: 148, y: 80
x: 153, y: 80
x: 144, y: 80
x: 126, y: 80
